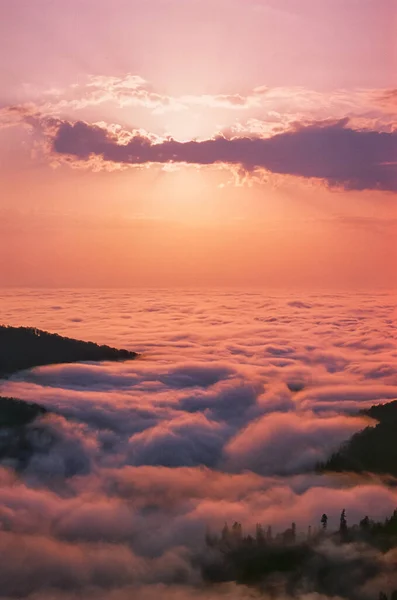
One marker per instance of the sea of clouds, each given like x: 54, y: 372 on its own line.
x: 236, y: 397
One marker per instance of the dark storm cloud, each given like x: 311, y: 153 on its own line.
x: 328, y: 150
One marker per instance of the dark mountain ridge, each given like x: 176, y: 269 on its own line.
x: 26, y: 347
x: 374, y: 449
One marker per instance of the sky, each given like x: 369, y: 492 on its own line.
x: 173, y: 143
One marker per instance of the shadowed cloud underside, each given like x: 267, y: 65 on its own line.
x: 345, y: 157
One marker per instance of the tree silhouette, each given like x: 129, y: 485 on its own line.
x: 225, y: 533
x: 251, y: 560
x: 260, y: 536
x: 365, y: 523
x: 343, y: 524
x: 237, y: 532
x: 293, y: 532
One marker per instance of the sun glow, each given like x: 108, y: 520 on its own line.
x: 186, y: 125
x: 186, y: 192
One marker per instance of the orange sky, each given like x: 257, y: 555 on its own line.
x: 291, y: 180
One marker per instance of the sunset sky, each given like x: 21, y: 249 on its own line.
x: 165, y: 143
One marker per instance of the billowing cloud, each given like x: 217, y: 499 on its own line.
x: 285, y: 443
x: 236, y: 398
x: 330, y: 151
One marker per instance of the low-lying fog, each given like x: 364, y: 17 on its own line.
x: 234, y: 401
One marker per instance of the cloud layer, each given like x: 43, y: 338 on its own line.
x: 235, y: 400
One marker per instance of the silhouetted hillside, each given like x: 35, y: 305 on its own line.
x: 16, y: 434
x: 15, y: 413
x: 382, y: 412
x: 26, y: 347
x: 374, y: 449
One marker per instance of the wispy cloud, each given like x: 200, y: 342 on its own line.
x: 278, y: 106
x: 133, y: 90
